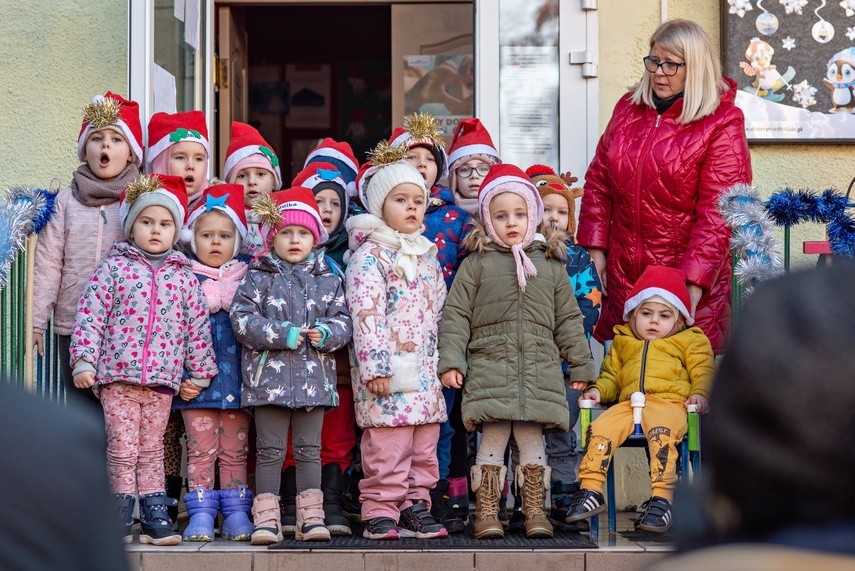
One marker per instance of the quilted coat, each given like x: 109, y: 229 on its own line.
x: 395, y: 332
x: 651, y: 197
x: 275, y: 296
x: 446, y: 225
x: 674, y: 367
x: 508, y: 344
x: 143, y: 325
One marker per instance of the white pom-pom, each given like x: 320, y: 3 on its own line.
x: 186, y: 235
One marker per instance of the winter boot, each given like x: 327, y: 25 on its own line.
x: 458, y: 492
x: 517, y: 520
x: 310, y: 516
x: 533, y: 480
x: 334, y: 486
x: 486, y: 482
x: 173, y: 486
x: 202, y: 507
x: 125, y: 506
x: 288, y: 495
x: 155, y: 525
x: 441, y: 510
x: 265, y: 518
x: 236, y: 505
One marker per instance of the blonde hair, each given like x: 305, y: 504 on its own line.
x: 704, y: 81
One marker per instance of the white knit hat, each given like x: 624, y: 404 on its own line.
x: 375, y: 190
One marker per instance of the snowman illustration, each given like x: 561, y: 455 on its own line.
x: 840, y: 80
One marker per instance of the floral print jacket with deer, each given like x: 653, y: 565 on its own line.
x: 395, y: 332
x: 273, y: 302
x: 142, y: 325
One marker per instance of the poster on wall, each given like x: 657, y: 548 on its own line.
x: 794, y: 65
x: 442, y: 85
x: 309, y: 86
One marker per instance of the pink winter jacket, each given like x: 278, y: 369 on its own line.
x: 141, y: 325
x: 69, y: 248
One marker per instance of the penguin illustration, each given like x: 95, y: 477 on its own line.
x: 840, y: 80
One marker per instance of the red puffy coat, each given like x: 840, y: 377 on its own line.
x: 651, y: 197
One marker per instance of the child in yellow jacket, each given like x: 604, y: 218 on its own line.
x: 658, y: 353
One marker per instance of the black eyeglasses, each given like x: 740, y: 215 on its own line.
x: 668, y: 67
x: 466, y: 171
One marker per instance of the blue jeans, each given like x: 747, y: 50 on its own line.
x: 443, y: 447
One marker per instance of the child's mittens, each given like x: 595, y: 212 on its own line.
x: 219, y: 294
x: 294, y: 338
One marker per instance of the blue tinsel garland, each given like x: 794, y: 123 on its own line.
x: 788, y: 208
x: 23, y: 210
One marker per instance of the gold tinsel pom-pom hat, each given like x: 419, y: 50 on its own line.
x: 423, y: 130
x: 387, y: 171
x: 167, y: 191
x: 115, y: 112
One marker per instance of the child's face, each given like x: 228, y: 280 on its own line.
x: 509, y: 216
x: 404, y: 208
x: 107, y: 153
x: 255, y: 182
x: 330, y: 206
x: 214, y: 235
x: 189, y: 160
x: 469, y: 176
x: 655, y: 320
x: 421, y: 159
x: 293, y: 243
x: 556, y: 212
x: 153, y: 230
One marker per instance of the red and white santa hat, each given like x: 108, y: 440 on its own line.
x: 293, y: 206
x: 317, y: 176
x: 225, y: 198
x: 247, y: 149
x: 167, y: 129
x: 112, y: 111
x: 423, y: 130
x: 660, y: 284
x: 471, y: 138
x: 167, y: 191
x: 340, y: 155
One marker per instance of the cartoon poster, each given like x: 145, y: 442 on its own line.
x: 794, y: 63
x: 440, y: 85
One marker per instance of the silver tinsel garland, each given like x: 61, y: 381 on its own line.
x: 753, y: 240
x: 23, y: 210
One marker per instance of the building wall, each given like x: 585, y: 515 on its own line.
x: 56, y: 56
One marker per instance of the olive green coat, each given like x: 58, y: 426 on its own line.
x: 508, y: 343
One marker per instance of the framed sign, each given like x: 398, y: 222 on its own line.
x: 794, y: 64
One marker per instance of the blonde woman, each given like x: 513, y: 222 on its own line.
x: 674, y: 143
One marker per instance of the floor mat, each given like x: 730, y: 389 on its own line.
x: 647, y: 536
x: 464, y: 541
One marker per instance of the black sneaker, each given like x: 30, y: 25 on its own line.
x: 417, y: 522
x: 380, y: 528
x: 657, y: 517
x: 441, y: 509
x: 562, y: 495
x: 584, y: 504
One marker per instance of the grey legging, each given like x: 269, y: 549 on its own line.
x: 271, y: 424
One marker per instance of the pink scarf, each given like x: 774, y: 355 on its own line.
x: 222, y: 283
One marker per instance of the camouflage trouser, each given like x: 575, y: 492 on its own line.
x: 664, y: 424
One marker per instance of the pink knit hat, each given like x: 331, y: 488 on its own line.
x: 295, y: 205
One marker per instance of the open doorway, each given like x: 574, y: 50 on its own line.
x: 314, y: 72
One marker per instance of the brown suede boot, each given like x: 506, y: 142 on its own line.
x: 265, y: 518
x: 487, y: 484
x: 533, y: 481
x: 310, y: 516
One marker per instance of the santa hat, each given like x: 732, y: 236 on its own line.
x: 340, y: 155
x: 294, y: 206
x: 165, y: 130
x: 663, y: 285
x: 247, y: 149
x: 167, y: 191
x: 318, y: 176
x: 510, y: 178
x: 423, y: 130
x: 471, y: 138
x: 361, y: 178
x: 112, y: 111
x: 225, y: 198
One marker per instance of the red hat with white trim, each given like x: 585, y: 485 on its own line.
x: 112, y: 111
x: 294, y: 206
x: 423, y: 130
x: 340, y: 155
x: 660, y: 284
x: 471, y: 138
x: 167, y: 191
x: 247, y: 148
x: 167, y: 129
x: 225, y: 198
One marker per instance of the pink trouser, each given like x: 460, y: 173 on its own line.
x: 216, y: 434
x: 400, y: 468
x: 135, y: 418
